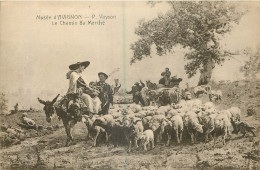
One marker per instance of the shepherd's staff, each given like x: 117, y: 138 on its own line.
x: 114, y: 71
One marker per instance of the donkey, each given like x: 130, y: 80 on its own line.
x: 51, y: 107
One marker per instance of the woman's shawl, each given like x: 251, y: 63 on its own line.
x: 73, y: 82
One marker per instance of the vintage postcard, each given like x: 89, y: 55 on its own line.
x: 130, y: 85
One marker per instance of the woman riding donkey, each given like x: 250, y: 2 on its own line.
x: 79, y: 89
x: 69, y: 109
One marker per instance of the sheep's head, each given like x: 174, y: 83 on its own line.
x: 154, y: 125
x: 99, y: 122
x: 48, y: 108
x: 141, y: 137
x: 199, y: 128
x: 86, y: 120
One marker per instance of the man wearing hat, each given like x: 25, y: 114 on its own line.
x: 136, y: 91
x: 77, y: 85
x: 106, y: 93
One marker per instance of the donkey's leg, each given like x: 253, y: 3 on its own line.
x: 71, y: 125
x: 67, y: 129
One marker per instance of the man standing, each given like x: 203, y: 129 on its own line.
x: 116, y: 86
x: 106, y: 93
x: 136, y: 91
x: 166, y: 76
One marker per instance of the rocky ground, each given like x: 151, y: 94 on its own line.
x: 46, y: 149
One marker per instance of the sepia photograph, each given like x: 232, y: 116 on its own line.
x: 133, y: 85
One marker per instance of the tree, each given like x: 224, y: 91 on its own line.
x: 197, y: 26
x: 3, y: 104
x: 252, y: 66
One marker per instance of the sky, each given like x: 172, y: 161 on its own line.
x: 35, y: 55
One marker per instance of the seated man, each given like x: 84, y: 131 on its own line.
x: 27, y: 121
x: 166, y: 76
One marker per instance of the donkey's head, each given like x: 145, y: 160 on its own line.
x: 49, y: 108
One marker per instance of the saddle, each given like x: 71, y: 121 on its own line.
x: 73, y: 106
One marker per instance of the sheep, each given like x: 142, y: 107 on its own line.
x: 146, y: 121
x: 235, y: 113
x: 171, y: 113
x: 222, y: 125
x: 135, y: 129
x: 177, y: 127
x: 147, y: 137
x: 207, y: 106
x: 187, y: 95
x: 167, y: 124
x: 215, y: 96
x: 136, y: 108
x: 157, y: 124
x: 106, y: 122
x: 207, y: 87
x: 93, y: 131
x: 193, y: 104
x: 198, y: 90
x: 162, y: 110
x: 207, y: 120
x: 193, y: 126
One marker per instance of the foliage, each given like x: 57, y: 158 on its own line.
x: 252, y: 66
x: 3, y: 104
x: 197, y: 26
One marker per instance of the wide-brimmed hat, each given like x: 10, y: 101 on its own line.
x: 76, y: 65
x: 101, y: 73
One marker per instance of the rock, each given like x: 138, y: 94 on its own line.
x: 251, y: 111
x: 40, y: 127
x: 203, y: 164
x: 49, y: 128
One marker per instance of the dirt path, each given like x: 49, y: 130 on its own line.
x: 53, y: 154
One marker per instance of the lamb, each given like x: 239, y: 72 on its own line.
x: 147, y: 137
x: 198, y: 91
x: 177, y: 127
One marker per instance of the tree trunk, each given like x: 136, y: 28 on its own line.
x: 205, y: 75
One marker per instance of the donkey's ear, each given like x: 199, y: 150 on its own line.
x: 41, y: 101
x: 55, y: 99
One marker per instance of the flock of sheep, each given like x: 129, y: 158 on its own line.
x: 146, y: 125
